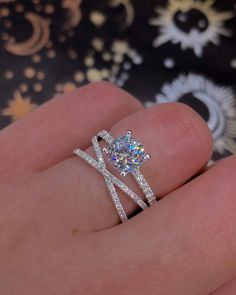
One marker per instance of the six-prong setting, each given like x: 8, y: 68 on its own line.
x: 129, y: 133
x: 147, y: 157
x: 123, y: 174
x: 126, y: 154
x: 105, y: 151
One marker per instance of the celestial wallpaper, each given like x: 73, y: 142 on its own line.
x: 160, y: 51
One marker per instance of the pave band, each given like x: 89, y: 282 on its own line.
x: 133, y: 158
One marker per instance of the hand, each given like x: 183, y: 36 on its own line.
x: 59, y: 229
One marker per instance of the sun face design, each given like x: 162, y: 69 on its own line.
x: 192, y: 23
x: 215, y: 103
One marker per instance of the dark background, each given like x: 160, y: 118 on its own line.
x: 50, y: 47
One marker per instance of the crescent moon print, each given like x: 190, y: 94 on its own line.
x: 36, y: 42
x: 74, y: 13
x: 129, y: 9
x: 207, y: 28
x: 219, y: 102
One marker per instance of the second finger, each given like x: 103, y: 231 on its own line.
x: 179, y: 143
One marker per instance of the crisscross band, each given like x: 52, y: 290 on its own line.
x: 112, y: 181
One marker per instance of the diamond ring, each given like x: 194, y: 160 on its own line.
x: 126, y: 154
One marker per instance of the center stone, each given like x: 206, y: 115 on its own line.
x: 126, y: 154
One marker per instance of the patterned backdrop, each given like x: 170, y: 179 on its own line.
x: 160, y: 51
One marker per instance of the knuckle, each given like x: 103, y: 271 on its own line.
x: 112, y: 96
x: 104, y: 94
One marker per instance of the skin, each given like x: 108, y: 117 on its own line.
x: 60, y: 233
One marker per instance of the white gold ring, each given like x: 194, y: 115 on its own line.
x: 126, y: 155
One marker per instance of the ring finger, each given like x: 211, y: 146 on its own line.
x: 179, y: 143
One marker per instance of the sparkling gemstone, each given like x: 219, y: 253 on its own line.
x: 126, y: 154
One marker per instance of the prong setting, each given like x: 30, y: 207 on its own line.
x: 129, y: 133
x: 127, y: 154
x: 147, y: 157
x: 105, y: 151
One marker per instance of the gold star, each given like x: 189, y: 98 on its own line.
x: 97, y: 18
x: 18, y: 107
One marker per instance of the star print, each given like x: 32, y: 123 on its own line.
x: 18, y: 107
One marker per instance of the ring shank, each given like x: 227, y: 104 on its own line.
x: 112, y: 181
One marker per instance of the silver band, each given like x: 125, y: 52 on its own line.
x: 112, y: 181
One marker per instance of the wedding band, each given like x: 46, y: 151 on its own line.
x: 126, y: 154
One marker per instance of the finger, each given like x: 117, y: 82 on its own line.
x: 186, y: 243
x: 228, y: 289
x: 48, y: 135
x: 179, y: 143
